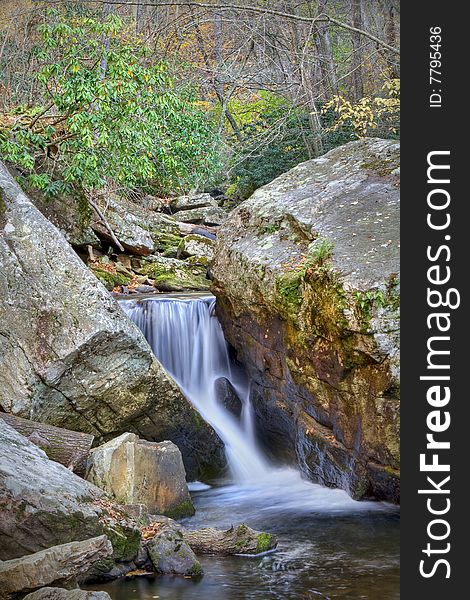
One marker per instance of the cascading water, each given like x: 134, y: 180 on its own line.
x: 187, y: 339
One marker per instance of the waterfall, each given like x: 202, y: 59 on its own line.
x: 186, y: 337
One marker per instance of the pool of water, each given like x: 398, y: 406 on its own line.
x: 329, y: 546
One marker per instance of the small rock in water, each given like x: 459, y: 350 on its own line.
x: 169, y: 553
x: 145, y: 289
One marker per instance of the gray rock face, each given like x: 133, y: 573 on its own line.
x: 134, y: 471
x: 192, y: 201
x: 60, y: 565
x: 306, y: 279
x: 53, y: 593
x: 198, y: 246
x: 42, y: 503
x: 128, y: 227
x: 169, y: 553
x: 80, y: 363
x: 210, y: 215
x: 136, y: 227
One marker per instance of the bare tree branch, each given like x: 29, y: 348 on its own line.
x: 256, y: 9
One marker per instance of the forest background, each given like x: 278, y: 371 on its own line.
x: 161, y: 97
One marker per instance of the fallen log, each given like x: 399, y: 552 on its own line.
x: 69, y: 448
x: 59, y: 565
x: 236, y: 540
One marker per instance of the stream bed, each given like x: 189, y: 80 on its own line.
x: 329, y: 546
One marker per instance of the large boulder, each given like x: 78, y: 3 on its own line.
x: 306, y: 279
x: 80, y: 363
x: 135, y: 471
x: 42, y: 503
x: 61, y: 565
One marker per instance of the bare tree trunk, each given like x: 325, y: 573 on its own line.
x: 139, y: 17
x: 326, y: 58
x: 391, y: 37
x: 218, y: 88
x: 357, y: 56
x: 308, y: 86
x: 108, y: 9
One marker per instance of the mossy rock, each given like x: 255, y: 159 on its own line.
x: 171, y: 275
x: 184, y: 509
x: 111, y: 280
x: 266, y: 541
x: 198, y: 260
x: 165, y: 241
x: 125, y: 540
x: 169, y: 553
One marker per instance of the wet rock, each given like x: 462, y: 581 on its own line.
x: 169, y: 553
x: 306, y: 279
x: 54, y: 593
x: 228, y: 397
x: 60, y: 565
x: 136, y: 471
x: 142, y: 559
x: 80, y: 363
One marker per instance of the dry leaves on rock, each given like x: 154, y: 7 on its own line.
x: 150, y: 531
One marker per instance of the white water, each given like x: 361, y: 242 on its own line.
x: 187, y: 339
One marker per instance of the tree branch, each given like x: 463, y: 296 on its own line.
x: 106, y: 224
x: 254, y: 9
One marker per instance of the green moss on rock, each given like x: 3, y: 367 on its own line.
x: 184, y: 509
x: 265, y: 542
x: 124, y: 539
x: 382, y: 166
x: 198, y: 260
x: 166, y: 241
x: 111, y: 280
x: 176, y: 276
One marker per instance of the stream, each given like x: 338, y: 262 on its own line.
x: 330, y: 546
